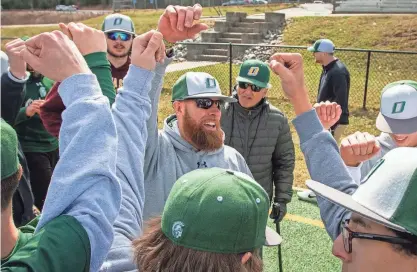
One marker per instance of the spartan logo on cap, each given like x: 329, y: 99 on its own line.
x: 117, y: 21
x: 398, y: 107
x: 177, y: 229
x: 210, y: 83
x: 253, y: 71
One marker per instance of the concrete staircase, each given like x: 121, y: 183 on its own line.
x: 236, y: 29
x: 376, y: 6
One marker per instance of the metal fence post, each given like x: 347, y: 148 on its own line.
x: 365, y: 93
x: 230, y: 68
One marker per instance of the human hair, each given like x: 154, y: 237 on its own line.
x: 8, y: 188
x: 154, y: 252
x: 408, y: 249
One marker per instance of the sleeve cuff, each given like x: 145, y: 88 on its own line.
x: 15, y: 79
x: 356, y: 173
x: 160, y: 68
x: 136, y: 77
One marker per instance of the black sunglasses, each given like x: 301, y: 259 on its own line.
x: 349, y: 235
x: 207, y: 103
x: 245, y: 85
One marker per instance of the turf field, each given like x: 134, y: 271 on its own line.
x: 306, y: 246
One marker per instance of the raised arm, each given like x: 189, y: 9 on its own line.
x: 320, y: 149
x: 84, y: 185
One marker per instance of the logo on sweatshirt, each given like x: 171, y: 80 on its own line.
x: 200, y: 165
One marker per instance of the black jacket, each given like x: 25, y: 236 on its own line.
x: 12, y: 94
x: 334, y: 86
x: 262, y: 135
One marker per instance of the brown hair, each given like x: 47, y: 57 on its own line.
x: 154, y: 252
x: 8, y: 188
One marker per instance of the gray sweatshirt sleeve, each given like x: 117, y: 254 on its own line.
x: 131, y: 112
x: 326, y: 166
x: 153, y: 145
x: 84, y: 184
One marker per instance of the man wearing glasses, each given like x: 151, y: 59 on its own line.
x: 261, y: 133
x: 120, y: 32
x: 374, y: 227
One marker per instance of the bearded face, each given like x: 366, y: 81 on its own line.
x: 205, y: 134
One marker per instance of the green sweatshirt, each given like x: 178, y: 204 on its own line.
x: 30, y: 130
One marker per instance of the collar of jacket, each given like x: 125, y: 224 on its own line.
x: 330, y: 65
x: 250, y: 112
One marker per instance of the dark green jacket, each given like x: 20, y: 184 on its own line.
x: 32, y: 134
x: 262, y: 135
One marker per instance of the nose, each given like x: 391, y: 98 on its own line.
x: 339, y: 250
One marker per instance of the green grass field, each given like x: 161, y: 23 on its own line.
x: 306, y: 247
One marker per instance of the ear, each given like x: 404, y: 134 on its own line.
x: 246, y: 257
x: 264, y: 92
x: 178, y: 107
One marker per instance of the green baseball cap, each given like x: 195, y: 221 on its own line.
x: 322, y: 45
x: 398, y: 110
x: 218, y: 210
x: 388, y: 193
x: 198, y: 85
x: 254, y: 72
x: 9, y: 159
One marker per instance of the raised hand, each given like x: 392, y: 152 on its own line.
x: 289, y: 67
x: 358, y: 147
x: 147, y: 49
x: 328, y: 113
x: 177, y: 23
x: 54, y: 55
x: 87, y: 39
x: 16, y: 63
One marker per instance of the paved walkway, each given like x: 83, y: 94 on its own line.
x: 187, y: 65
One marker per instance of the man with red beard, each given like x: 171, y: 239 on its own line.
x: 120, y: 32
x: 190, y: 139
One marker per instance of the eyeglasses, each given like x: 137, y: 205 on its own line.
x: 207, y: 103
x: 349, y: 235
x: 123, y: 36
x: 245, y: 85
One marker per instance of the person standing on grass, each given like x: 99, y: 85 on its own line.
x: 334, y: 87
x: 261, y: 133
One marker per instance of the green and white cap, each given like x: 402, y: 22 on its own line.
x: 388, y: 194
x: 398, y: 113
x: 193, y: 85
x: 322, y: 45
x: 254, y: 72
x: 118, y: 22
x: 218, y: 210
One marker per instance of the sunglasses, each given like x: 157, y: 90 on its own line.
x: 245, y: 85
x: 123, y: 36
x: 207, y: 103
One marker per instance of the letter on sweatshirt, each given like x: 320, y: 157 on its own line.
x: 326, y: 166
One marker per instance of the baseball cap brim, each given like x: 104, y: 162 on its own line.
x: 212, y: 95
x: 396, y: 126
x: 119, y: 30
x: 272, y: 238
x: 349, y: 203
x: 312, y: 49
x: 254, y: 82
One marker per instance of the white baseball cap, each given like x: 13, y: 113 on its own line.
x: 398, y: 113
x: 322, y: 45
x: 118, y: 22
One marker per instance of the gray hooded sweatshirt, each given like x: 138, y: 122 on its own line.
x: 168, y: 156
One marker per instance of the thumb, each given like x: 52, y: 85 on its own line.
x: 30, y: 58
x: 195, y: 29
x: 377, y: 148
x: 154, y: 43
x: 279, y: 69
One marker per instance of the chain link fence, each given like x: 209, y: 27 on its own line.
x: 370, y: 71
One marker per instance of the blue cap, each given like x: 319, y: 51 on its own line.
x: 322, y: 45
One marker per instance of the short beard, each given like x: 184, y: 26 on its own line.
x: 118, y: 56
x: 200, y: 138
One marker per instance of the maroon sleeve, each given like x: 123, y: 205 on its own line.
x: 51, y: 110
